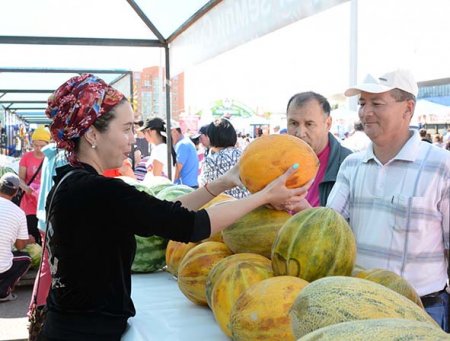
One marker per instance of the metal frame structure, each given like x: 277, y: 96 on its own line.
x: 160, y: 42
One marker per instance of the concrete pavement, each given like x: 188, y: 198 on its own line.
x: 13, y: 314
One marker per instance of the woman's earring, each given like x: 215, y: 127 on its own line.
x: 93, y: 146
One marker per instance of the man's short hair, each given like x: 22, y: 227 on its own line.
x: 300, y: 99
x: 9, y: 183
x: 401, y: 95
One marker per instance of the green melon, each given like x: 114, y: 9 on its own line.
x: 314, y: 243
x: 171, y: 193
x: 337, y: 299
x: 378, y: 330
x: 392, y: 281
x: 150, y: 254
x: 35, y: 252
x: 255, y: 231
x: 6, y: 169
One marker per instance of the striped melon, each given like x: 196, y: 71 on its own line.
x: 378, y: 330
x: 255, y: 231
x: 337, y: 299
x: 221, y: 198
x: 217, y: 270
x: 262, y: 311
x: 175, y: 253
x: 314, y: 243
x: 233, y: 281
x: 392, y: 281
x: 195, y: 267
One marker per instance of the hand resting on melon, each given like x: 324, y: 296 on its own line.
x: 275, y: 194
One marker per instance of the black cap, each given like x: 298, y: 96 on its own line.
x: 153, y: 123
x: 204, y: 129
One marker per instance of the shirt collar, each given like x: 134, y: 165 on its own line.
x: 409, y: 151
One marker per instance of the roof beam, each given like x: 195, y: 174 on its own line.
x: 27, y: 91
x: 147, y: 21
x: 196, y: 16
x: 23, y: 102
x: 49, y: 70
x: 33, y: 40
x: 29, y: 108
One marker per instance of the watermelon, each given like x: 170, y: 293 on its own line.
x: 173, y: 192
x: 35, y: 252
x: 150, y: 254
x: 6, y: 169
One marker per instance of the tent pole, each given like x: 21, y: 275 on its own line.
x: 353, y: 67
x: 168, y: 114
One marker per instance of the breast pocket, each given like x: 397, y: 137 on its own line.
x: 410, y: 213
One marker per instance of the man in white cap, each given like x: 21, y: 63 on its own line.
x: 395, y: 194
x: 13, y: 231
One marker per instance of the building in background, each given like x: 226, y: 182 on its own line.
x: 150, y: 93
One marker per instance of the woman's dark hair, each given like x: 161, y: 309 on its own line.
x: 222, y: 134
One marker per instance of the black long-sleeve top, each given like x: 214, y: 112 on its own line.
x: 91, y: 240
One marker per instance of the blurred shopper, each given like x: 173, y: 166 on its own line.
x: 13, y: 232
x: 30, y: 173
x: 186, y: 167
x: 358, y: 140
x: 224, y: 154
x: 154, y: 130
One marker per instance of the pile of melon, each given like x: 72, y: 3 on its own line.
x: 276, y: 276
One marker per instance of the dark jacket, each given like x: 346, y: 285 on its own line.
x: 337, y: 154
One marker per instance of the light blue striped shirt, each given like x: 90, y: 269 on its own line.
x: 399, y: 211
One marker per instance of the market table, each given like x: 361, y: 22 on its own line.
x: 163, y: 313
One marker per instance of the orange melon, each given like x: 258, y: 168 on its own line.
x: 267, y: 157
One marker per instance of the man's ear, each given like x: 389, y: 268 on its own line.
x: 329, y: 122
x: 410, y: 106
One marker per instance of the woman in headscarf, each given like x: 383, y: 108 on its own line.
x: 30, y: 173
x: 93, y: 219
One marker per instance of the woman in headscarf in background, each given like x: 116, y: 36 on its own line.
x: 30, y: 173
x: 94, y: 219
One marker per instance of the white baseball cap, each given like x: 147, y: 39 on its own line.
x: 398, y: 79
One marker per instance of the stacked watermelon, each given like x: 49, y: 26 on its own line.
x: 150, y: 253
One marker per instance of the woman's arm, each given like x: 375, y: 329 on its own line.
x: 23, y: 184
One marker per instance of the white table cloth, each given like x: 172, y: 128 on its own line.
x: 163, y: 313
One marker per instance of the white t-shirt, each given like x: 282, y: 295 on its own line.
x: 159, y: 153
x: 13, y: 226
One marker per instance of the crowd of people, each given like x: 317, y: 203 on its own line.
x: 391, y: 185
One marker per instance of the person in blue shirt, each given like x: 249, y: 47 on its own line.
x: 186, y: 168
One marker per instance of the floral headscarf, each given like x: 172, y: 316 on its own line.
x: 75, y: 106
